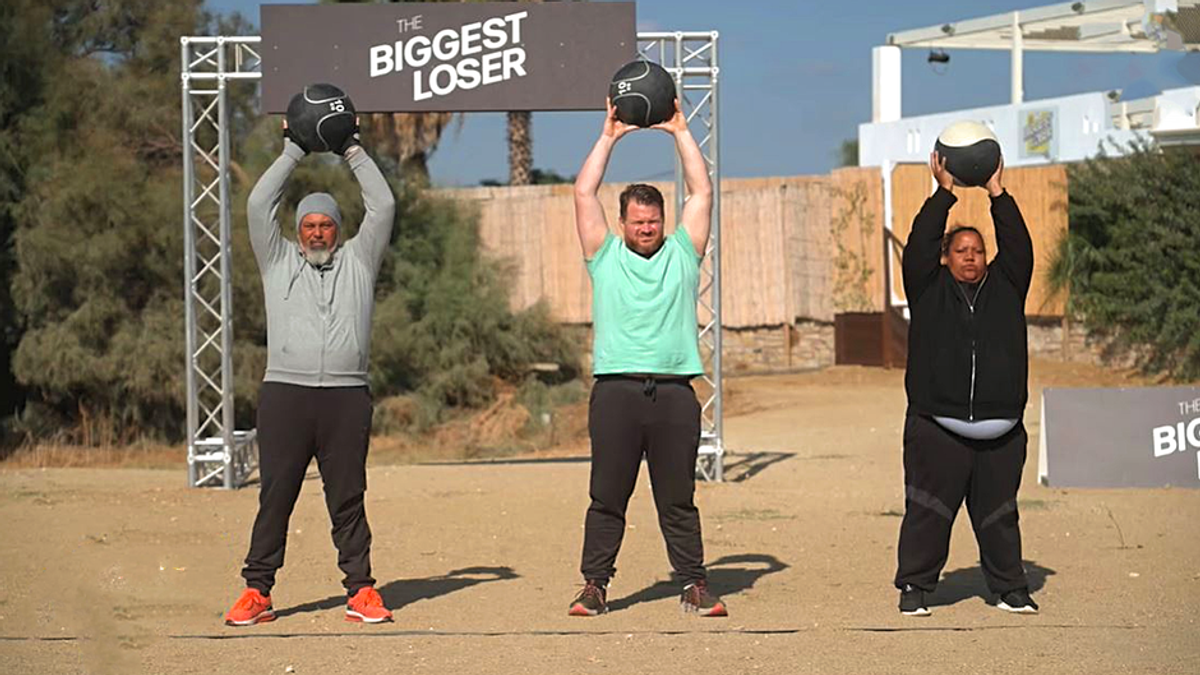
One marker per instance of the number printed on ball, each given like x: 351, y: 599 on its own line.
x: 321, y: 117
x: 643, y: 94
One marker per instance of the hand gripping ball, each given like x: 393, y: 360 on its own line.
x: 971, y: 151
x: 321, y: 118
x: 643, y: 94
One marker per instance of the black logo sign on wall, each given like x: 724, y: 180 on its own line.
x: 412, y: 57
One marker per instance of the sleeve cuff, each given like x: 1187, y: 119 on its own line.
x: 292, y: 150
x: 942, y: 195
x: 356, y: 156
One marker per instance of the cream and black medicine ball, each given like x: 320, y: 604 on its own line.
x: 971, y: 151
x: 643, y: 93
x: 321, y: 117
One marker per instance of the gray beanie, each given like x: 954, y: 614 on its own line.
x: 319, y: 202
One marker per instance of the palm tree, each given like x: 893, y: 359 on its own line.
x: 520, y: 148
x: 520, y: 143
x: 408, y: 137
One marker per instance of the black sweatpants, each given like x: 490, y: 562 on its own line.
x: 940, y: 470
x: 296, y: 423
x: 629, y: 418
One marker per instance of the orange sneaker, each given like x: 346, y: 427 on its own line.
x: 366, y: 606
x: 251, y: 608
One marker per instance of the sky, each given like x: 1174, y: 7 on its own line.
x: 795, y: 83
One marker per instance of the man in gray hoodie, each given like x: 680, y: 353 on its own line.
x: 314, y: 400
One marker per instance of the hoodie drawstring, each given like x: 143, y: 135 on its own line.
x: 329, y: 267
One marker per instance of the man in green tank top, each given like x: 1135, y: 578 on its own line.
x: 645, y: 352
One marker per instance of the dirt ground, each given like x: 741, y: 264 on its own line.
x: 129, y: 571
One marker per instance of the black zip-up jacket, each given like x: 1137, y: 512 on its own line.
x: 967, y: 349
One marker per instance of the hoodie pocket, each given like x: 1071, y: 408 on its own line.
x: 344, y: 353
x: 302, y: 346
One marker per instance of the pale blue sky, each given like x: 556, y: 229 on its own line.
x: 795, y: 83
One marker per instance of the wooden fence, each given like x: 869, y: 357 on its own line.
x: 1040, y: 192
x: 803, y: 247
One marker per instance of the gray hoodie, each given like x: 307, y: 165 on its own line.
x: 319, y: 320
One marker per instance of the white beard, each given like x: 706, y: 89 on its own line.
x: 317, y: 258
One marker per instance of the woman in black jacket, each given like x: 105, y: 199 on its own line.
x: 966, y: 386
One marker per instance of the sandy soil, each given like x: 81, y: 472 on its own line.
x: 128, y: 571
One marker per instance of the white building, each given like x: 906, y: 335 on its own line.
x: 1046, y: 131
x: 1063, y: 129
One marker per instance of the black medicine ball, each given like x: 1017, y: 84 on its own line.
x: 643, y: 94
x: 971, y: 151
x: 321, y: 117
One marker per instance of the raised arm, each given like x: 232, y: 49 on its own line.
x: 1014, y: 247
x: 923, y: 252
x: 590, y: 221
x: 375, y: 234
x: 696, y: 218
x: 263, y: 206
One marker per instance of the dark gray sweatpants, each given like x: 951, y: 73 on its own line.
x: 295, y: 424
x: 627, y: 419
x: 941, y: 469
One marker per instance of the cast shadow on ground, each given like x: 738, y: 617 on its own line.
x: 966, y: 583
x: 727, y: 576
x: 748, y: 465
x: 403, y: 592
x: 738, y: 468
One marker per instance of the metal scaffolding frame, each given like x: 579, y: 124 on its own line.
x: 221, y: 456
x: 218, y: 455
x: 691, y: 58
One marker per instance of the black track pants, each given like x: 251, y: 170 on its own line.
x: 295, y: 424
x: 629, y: 418
x: 941, y: 469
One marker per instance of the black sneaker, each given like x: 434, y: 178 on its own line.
x: 697, y: 600
x: 912, y: 601
x: 590, y: 601
x: 1018, y: 602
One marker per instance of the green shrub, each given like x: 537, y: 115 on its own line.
x: 90, y: 193
x: 1130, y: 257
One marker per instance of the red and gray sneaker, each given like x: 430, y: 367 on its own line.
x: 590, y: 601
x: 366, y: 606
x: 698, y: 600
x: 251, y: 608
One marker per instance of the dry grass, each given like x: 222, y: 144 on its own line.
x: 140, y: 456
x: 501, y: 430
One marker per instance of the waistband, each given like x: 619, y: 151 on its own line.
x: 646, y: 377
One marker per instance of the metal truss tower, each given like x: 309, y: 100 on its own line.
x: 692, y: 59
x: 218, y: 454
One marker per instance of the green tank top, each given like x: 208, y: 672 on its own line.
x: 644, y: 309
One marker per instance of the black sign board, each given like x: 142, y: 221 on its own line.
x: 412, y: 57
x: 1137, y: 437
